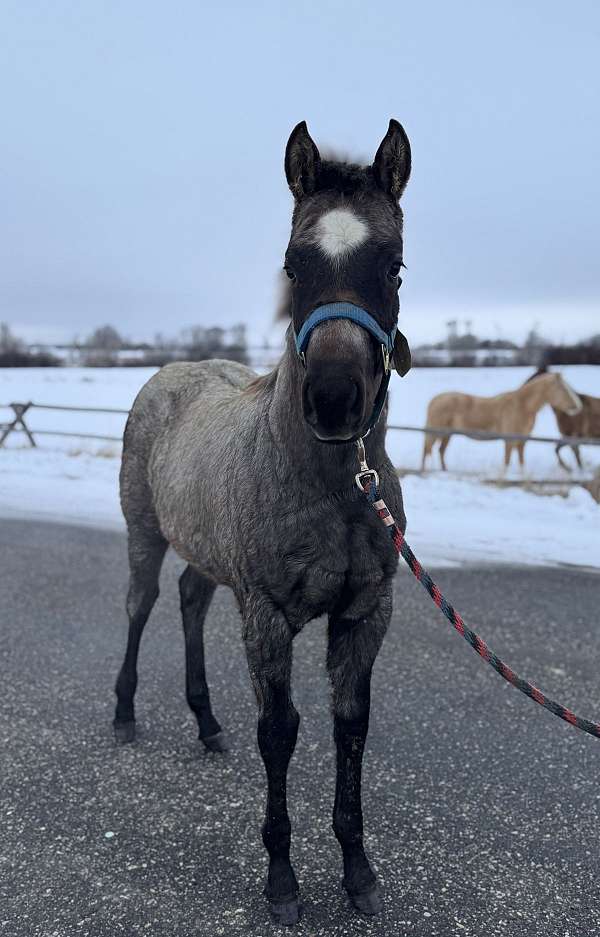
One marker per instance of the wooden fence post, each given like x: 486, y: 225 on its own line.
x: 19, y: 409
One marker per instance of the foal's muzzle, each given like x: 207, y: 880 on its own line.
x: 342, y: 397
x: 333, y: 403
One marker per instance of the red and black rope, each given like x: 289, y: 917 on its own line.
x: 477, y: 643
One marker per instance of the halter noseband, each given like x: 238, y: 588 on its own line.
x: 366, y: 321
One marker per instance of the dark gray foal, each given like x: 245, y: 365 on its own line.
x: 251, y: 481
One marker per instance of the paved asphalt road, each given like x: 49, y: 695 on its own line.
x: 481, y: 809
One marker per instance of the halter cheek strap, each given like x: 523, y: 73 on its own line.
x: 366, y: 321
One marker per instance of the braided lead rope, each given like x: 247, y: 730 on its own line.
x: 370, y: 489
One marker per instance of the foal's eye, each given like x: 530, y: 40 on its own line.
x: 394, y: 270
x: 289, y: 272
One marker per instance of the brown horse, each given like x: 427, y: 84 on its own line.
x: 513, y: 412
x: 586, y: 423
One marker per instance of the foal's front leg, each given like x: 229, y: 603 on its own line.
x: 353, y: 647
x: 268, y: 641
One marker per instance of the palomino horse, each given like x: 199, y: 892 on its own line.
x: 251, y: 481
x: 513, y: 412
x: 586, y: 423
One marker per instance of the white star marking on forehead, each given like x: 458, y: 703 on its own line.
x: 339, y: 232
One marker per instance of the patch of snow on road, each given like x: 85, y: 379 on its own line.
x: 62, y: 487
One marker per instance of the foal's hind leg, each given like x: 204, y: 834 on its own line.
x: 146, y: 554
x: 353, y: 647
x: 196, y: 592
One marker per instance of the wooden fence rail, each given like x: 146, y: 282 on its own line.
x: 18, y: 425
x: 52, y: 406
x: 510, y: 437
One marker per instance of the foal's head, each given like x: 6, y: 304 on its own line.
x: 346, y: 247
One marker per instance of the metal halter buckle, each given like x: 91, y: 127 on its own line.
x: 386, y: 359
x: 365, y: 471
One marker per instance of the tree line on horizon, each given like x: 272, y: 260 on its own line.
x: 106, y: 347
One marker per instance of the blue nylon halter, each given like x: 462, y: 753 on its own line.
x: 366, y: 321
x: 344, y: 311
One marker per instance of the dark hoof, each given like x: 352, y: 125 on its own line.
x: 216, y: 743
x: 368, y: 902
x: 285, y: 913
x: 124, y: 732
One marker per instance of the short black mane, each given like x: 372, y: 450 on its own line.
x: 344, y: 177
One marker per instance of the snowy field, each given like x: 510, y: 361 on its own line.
x: 451, y: 518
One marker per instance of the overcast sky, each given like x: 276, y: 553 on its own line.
x: 142, y: 166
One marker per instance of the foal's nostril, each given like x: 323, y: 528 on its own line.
x: 308, y: 405
x: 354, y: 401
x: 352, y: 395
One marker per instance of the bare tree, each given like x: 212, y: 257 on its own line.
x: 8, y: 341
x: 105, y: 338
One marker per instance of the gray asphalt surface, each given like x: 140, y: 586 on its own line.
x: 481, y: 809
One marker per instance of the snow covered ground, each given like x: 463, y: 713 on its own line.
x: 451, y: 518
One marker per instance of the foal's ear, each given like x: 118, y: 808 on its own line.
x: 302, y: 162
x: 401, y: 354
x: 391, y: 166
